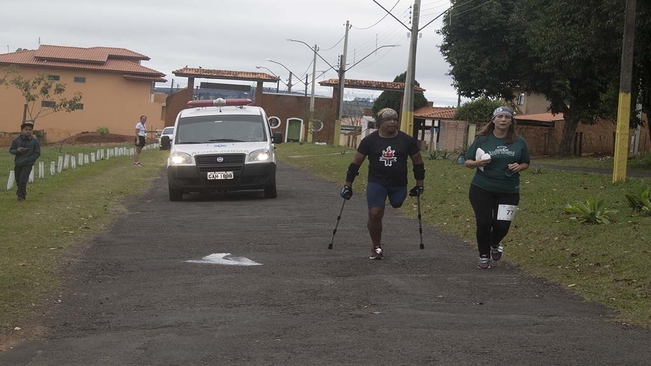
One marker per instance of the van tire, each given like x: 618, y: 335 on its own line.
x: 175, y: 195
x: 270, y: 191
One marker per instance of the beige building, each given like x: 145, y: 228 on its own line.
x: 116, y: 90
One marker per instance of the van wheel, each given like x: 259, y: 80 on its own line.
x: 176, y: 195
x: 270, y: 191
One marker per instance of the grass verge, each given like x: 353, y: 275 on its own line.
x: 61, y: 214
x: 607, y: 264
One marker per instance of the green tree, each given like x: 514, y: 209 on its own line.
x: 392, y: 99
x: 566, y: 50
x: 42, y: 96
x: 482, y: 49
x: 478, y: 110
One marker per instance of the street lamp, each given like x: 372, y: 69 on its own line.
x: 289, y: 85
x: 342, y: 71
x: 272, y: 73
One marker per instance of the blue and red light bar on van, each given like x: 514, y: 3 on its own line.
x: 219, y: 102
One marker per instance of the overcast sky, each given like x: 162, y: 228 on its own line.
x: 242, y: 34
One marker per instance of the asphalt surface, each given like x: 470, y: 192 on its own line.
x: 132, y: 298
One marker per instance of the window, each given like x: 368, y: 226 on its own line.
x: 48, y: 104
x: 53, y: 77
x: 317, y: 125
x: 521, y: 99
x: 274, y: 122
x: 80, y: 79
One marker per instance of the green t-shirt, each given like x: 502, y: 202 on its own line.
x: 493, y: 178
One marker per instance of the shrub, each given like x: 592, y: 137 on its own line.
x: 638, y: 198
x: 103, y: 131
x: 593, y: 211
x: 536, y: 169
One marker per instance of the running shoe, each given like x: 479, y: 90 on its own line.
x: 484, y: 262
x: 377, y: 253
x: 496, y: 252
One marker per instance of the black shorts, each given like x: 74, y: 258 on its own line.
x: 141, y: 141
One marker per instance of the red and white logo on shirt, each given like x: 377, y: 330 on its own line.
x: 388, y: 156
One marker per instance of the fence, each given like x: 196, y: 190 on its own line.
x: 68, y: 161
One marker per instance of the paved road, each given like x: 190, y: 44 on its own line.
x: 134, y: 300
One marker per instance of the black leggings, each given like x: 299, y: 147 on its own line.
x: 490, y: 231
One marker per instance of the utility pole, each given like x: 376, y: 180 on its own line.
x: 310, y: 124
x: 407, y: 115
x: 342, y: 78
x: 624, y: 104
x: 289, y: 85
x: 407, y: 118
x: 341, y: 72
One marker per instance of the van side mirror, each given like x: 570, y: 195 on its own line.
x: 277, y: 137
x: 165, y: 143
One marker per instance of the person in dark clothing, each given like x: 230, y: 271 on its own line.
x: 499, y: 155
x: 26, y: 149
x: 387, y: 150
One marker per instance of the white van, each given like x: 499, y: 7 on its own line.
x: 222, y: 145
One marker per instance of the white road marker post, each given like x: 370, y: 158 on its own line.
x: 10, y: 181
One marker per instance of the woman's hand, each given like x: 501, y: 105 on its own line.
x: 515, y: 167
x: 477, y: 163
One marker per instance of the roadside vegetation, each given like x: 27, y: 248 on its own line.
x: 40, y: 236
x: 600, y: 250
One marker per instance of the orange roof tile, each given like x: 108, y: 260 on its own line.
x: 92, y: 54
x: 145, y: 78
x: 435, y: 112
x: 224, y: 74
x: 369, y: 84
x: 96, y: 58
x: 540, y: 117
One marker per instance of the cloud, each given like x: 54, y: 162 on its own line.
x: 240, y: 35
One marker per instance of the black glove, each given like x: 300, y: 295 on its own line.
x: 416, y: 191
x: 346, y: 192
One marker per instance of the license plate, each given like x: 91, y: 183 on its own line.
x: 220, y: 175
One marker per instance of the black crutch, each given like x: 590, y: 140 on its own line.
x: 335, y: 230
x: 420, y: 225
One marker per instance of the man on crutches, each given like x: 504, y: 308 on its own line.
x: 387, y: 150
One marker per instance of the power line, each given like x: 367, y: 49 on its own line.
x: 381, y: 19
x: 383, y: 37
x: 339, y: 41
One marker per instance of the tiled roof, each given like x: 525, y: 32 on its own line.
x: 145, y: 78
x: 540, y: 117
x: 92, y: 54
x: 123, y: 62
x: 435, y: 112
x: 369, y: 84
x: 224, y: 74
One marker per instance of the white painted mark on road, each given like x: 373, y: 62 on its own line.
x: 225, y: 259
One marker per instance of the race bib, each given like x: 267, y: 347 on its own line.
x: 506, y: 212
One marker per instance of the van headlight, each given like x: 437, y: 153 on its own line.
x: 259, y: 155
x: 181, y: 158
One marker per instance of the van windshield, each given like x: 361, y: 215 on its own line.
x: 220, y: 128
